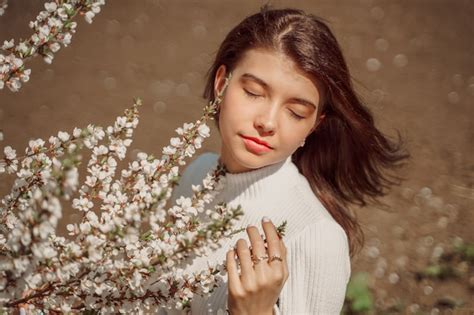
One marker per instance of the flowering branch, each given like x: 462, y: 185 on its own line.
x: 52, y: 27
x: 128, y: 251
x: 3, y: 7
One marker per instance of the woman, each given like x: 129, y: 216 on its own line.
x: 299, y: 146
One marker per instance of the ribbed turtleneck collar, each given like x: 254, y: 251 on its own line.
x: 268, y: 179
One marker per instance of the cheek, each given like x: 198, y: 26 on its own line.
x: 228, y: 120
x: 237, y: 109
x: 289, y: 139
x: 293, y: 136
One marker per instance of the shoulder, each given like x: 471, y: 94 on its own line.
x: 199, y: 167
x: 323, y: 229
x: 194, y: 173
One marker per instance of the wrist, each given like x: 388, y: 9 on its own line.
x: 269, y: 312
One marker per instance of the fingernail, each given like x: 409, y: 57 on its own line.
x: 266, y: 219
x: 22, y: 311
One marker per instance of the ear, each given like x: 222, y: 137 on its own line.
x: 219, y: 79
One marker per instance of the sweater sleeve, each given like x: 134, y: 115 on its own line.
x: 319, y: 270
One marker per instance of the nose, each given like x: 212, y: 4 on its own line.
x: 266, y: 120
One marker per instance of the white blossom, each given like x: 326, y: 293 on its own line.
x: 204, y: 131
x: 50, y: 6
x: 112, y: 253
x: 9, y: 153
x: 63, y: 136
x: 8, y: 44
x: 89, y: 16
x: 82, y: 204
x: 176, y: 142
x: 169, y: 150
x: 3, y: 7
x: 52, y: 27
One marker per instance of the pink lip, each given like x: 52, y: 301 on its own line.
x: 258, y: 141
x: 255, y: 147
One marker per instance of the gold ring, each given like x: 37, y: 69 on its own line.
x: 276, y: 257
x: 259, y: 259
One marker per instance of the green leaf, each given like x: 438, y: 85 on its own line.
x: 433, y: 271
x: 358, y: 293
x: 362, y: 303
x: 469, y: 252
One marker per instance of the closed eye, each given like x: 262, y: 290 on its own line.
x: 251, y: 95
x: 298, y: 117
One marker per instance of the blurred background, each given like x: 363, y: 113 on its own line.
x: 412, y: 62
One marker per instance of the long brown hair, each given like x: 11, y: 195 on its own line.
x: 344, y: 157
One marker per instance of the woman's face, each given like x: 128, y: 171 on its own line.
x: 270, y: 99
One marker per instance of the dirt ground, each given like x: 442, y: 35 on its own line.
x: 412, y: 62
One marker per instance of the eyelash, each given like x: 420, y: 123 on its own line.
x: 251, y: 95
x: 254, y: 96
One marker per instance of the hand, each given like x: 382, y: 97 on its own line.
x: 256, y: 289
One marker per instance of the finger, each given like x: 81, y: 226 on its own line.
x: 246, y: 264
x: 271, y: 235
x: 284, y: 256
x: 258, y: 245
x: 233, y: 278
x: 284, y: 250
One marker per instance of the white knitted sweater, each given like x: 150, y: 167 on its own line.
x: 318, y: 252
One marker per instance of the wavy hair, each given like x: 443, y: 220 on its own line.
x: 345, y: 157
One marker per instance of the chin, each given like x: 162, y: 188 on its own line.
x: 246, y: 161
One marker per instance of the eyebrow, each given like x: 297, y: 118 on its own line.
x: 252, y: 77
